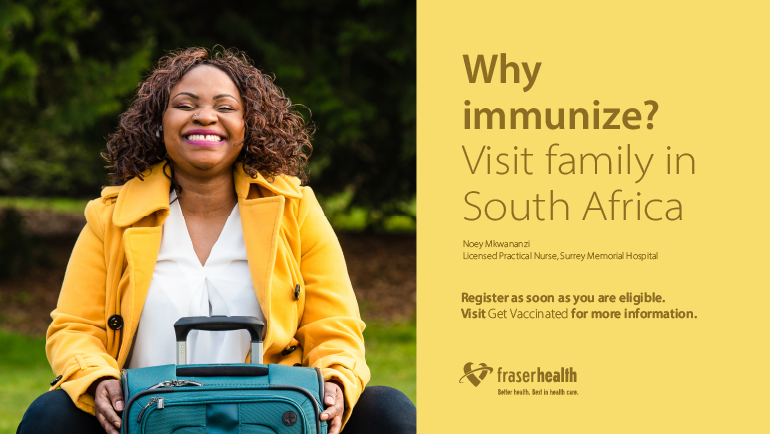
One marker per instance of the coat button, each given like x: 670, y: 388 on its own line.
x: 115, y: 322
x: 296, y: 292
x: 289, y: 350
x: 55, y: 380
x: 298, y: 364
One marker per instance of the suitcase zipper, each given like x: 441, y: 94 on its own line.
x: 152, y: 401
x: 170, y: 383
x: 149, y: 403
x: 175, y: 383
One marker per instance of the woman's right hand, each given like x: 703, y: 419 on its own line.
x: 108, y: 400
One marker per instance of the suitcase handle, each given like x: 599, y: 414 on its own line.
x: 218, y: 323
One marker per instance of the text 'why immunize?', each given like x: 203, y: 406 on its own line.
x: 627, y: 161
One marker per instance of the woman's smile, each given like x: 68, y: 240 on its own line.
x: 204, y: 138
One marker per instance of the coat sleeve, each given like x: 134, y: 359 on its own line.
x: 76, y: 339
x: 331, y: 330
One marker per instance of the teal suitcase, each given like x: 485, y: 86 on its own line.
x: 221, y: 399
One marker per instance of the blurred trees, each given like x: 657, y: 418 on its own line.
x: 56, y: 102
x: 68, y: 67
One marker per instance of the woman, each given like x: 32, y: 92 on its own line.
x: 207, y: 141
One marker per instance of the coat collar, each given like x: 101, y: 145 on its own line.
x: 138, y: 198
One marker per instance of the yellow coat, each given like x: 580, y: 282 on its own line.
x: 288, y: 242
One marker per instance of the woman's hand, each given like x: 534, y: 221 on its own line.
x: 108, y: 400
x: 335, y: 401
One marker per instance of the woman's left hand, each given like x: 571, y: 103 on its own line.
x: 335, y: 402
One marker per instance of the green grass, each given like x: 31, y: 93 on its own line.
x: 391, y: 351
x: 58, y: 205
x: 342, y: 217
x: 24, y: 374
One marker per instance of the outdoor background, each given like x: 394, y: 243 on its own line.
x: 68, y: 69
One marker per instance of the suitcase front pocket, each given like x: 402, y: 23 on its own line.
x: 268, y: 414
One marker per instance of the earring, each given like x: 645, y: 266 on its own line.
x: 157, y: 132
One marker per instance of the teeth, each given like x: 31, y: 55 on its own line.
x: 206, y: 138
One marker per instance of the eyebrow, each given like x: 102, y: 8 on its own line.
x: 186, y: 93
x: 224, y: 95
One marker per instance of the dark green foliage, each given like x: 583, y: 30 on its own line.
x: 57, y: 102
x: 69, y: 66
x: 15, y: 246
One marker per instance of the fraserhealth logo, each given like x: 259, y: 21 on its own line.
x: 470, y: 373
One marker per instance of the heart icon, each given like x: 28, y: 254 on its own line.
x: 470, y: 373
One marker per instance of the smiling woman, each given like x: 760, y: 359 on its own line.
x: 217, y: 130
x: 207, y: 216
x: 224, y: 88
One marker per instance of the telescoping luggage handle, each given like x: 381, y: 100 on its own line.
x: 218, y: 323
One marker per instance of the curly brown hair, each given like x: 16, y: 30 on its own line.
x: 276, y: 141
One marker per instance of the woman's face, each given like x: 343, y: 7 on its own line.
x: 203, y: 126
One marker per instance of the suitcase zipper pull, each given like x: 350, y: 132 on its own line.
x: 149, y: 403
x: 161, y: 405
x: 175, y: 383
x: 181, y: 383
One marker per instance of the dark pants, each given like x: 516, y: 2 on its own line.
x: 380, y: 409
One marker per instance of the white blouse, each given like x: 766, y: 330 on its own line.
x: 182, y: 287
